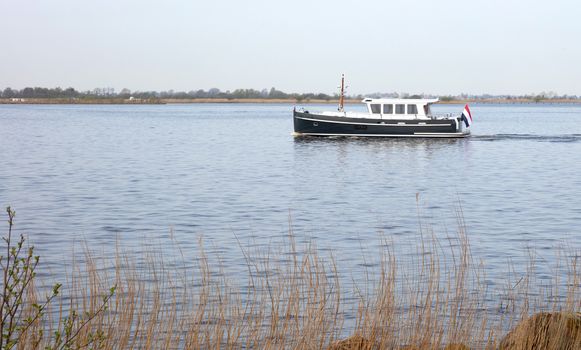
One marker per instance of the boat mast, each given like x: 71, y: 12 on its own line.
x: 342, y: 96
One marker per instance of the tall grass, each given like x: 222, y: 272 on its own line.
x: 296, y: 302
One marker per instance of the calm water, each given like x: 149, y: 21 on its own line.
x: 140, y: 174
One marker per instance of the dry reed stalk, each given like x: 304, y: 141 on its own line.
x: 294, y: 299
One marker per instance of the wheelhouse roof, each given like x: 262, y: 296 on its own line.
x: 421, y: 101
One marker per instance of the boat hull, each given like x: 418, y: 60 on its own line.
x: 311, y: 124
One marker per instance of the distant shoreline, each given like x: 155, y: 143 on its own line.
x: 121, y: 101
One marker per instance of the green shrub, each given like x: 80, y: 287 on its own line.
x: 20, y: 312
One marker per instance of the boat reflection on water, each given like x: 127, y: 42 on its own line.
x: 393, y: 151
x: 380, y: 142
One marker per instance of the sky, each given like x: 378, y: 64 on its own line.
x: 435, y: 47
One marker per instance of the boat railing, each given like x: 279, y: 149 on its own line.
x: 444, y: 116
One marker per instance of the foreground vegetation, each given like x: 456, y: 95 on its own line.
x: 293, y: 300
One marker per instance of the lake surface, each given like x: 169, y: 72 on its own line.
x: 139, y: 175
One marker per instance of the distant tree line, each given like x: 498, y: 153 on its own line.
x: 107, y: 93
x: 40, y: 92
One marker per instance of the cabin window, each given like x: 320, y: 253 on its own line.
x: 376, y: 109
x: 399, y: 109
x: 388, y: 109
x: 412, y: 109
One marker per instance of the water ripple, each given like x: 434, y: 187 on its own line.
x: 137, y: 175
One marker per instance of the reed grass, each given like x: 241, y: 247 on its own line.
x: 297, y: 300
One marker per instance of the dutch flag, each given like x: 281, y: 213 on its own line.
x: 467, y: 116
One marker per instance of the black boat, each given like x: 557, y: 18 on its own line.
x: 384, y: 118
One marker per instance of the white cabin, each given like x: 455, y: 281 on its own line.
x: 399, y: 108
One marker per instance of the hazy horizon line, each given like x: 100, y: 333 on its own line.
x: 113, y: 91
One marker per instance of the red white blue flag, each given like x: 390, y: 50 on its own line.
x: 467, y: 116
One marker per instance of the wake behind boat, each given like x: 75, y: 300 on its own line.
x: 384, y: 118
